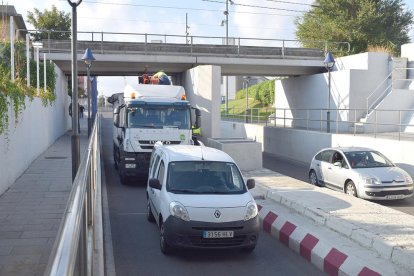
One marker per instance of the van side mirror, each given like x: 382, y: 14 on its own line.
x: 251, y: 183
x: 154, y: 183
x: 116, y: 120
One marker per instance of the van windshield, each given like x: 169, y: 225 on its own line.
x: 158, y: 116
x: 204, y: 177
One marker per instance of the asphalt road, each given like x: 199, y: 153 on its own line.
x: 136, y: 241
x: 300, y: 171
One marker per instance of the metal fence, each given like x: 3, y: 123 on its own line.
x: 78, y: 246
x: 396, y: 124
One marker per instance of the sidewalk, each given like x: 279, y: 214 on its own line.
x: 384, y: 236
x: 31, y: 209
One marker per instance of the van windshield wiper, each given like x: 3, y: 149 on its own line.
x: 185, y: 191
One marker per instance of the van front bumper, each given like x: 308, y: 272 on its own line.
x: 190, y: 234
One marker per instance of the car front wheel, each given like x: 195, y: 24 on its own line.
x: 164, y: 246
x: 313, y: 178
x: 350, y: 189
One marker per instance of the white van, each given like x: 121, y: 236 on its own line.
x: 199, y: 199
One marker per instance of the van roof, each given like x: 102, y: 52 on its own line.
x: 194, y: 153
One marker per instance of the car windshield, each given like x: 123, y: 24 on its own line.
x: 158, y: 116
x: 204, y: 177
x: 367, y: 159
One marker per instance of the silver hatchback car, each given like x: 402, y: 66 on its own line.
x: 360, y: 172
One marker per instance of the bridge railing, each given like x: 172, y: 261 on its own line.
x: 78, y: 246
x: 108, y: 42
x: 396, y: 124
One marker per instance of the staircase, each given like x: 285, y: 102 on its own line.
x: 400, y: 81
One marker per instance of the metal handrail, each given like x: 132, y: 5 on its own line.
x: 375, y: 90
x: 73, y: 250
x: 345, y: 120
x: 238, y: 40
x: 385, y: 91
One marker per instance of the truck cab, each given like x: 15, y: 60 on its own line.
x: 144, y: 115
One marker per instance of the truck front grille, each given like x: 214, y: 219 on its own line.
x: 149, y: 144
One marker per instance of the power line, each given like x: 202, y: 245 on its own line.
x: 255, y: 6
x: 194, y: 9
x: 293, y: 3
x: 177, y: 23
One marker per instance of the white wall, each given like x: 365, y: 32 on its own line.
x: 38, y: 127
x: 301, y: 145
x: 202, y: 86
x: 352, y: 80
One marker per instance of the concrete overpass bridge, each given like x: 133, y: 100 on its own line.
x: 123, y: 54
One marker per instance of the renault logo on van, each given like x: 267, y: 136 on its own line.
x: 217, y: 214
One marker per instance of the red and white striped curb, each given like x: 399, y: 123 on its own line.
x: 311, y: 247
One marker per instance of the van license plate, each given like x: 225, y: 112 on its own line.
x: 218, y: 234
x: 395, y: 196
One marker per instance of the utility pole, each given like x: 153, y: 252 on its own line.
x: 186, y: 29
x: 226, y: 13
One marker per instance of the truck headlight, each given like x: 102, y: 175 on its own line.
x: 251, y: 210
x: 178, y: 210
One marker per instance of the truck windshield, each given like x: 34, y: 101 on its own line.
x: 158, y: 116
x: 204, y: 177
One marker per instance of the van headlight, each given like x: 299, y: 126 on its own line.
x: 178, y: 210
x: 251, y: 210
x: 371, y: 180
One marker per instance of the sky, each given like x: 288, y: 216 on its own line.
x: 267, y: 19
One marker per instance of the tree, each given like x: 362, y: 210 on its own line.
x: 54, y: 20
x: 362, y: 23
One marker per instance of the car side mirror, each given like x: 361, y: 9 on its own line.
x: 154, y: 183
x: 338, y: 164
x: 250, y: 183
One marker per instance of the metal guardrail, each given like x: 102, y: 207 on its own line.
x: 395, y: 124
x: 79, y: 236
x: 108, y: 42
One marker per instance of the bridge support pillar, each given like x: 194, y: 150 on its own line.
x: 202, y: 85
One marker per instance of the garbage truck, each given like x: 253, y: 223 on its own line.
x: 144, y: 114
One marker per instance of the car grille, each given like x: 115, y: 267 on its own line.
x: 394, y: 181
x: 226, y: 242
x: 385, y: 193
x: 218, y: 228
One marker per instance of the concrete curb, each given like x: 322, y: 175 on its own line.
x: 398, y: 255
x: 312, y: 247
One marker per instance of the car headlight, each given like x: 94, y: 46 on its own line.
x: 408, y: 178
x: 371, y: 180
x: 251, y: 210
x: 178, y: 210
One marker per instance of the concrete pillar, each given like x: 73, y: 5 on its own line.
x: 202, y: 86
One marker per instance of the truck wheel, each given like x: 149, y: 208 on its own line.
x: 115, y: 157
x: 115, y: 164
x: 123, y: 178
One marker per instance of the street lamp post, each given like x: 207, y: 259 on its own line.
x: 329, y: 64
x: 75, y: 108
x: 88, y: 58
x: 37, y: 46
x: 226, y: 13
x: 246, y: 83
